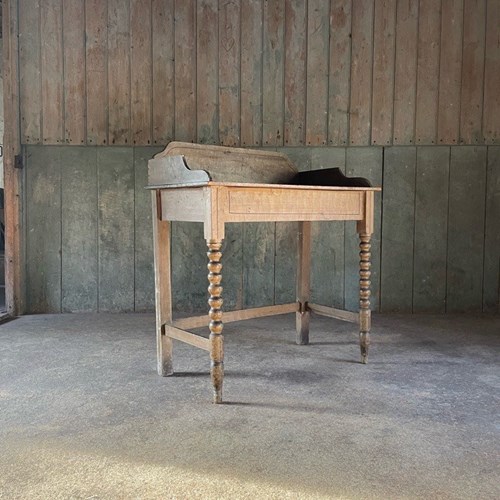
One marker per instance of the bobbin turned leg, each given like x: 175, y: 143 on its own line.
x: 215, y: 302
x: 364, y: 295
x: 302, y: 316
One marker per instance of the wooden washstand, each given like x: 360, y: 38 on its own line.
x: 215, y: 185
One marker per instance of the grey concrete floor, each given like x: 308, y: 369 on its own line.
x: 84, y: 415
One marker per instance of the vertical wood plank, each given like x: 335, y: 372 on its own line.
x: 340, y: 71
x: 491, y: 112
x: 115, y: 173
x: 144, y: 288
x: 163, y: 70
x: 429, y: 43
x: 383, y: 71
x: 431, y: 223
x: 141, y: 71
x: 96, y: 17
x: 285, y: 265
x: 74, y: 77
x: 450, y: 74
x: 78, y: 231
x: 185, y: 70
x: 464, y: 280
x: 251, y: 73
x: 258, y: 263
x: 471, y: 98
x: 295, y: 72
x: 491, y: 273
x: 43, y: 230
x: 273, y: 73
x: 232, y: 270
x: 361, y: 72
x: 119, y: 71
x: 229, y: 73
x: 405, y: 72
x: 30, y: 88
x: 327, y: 271
x: 318, y: 32
x: 398, y: 222
x: 364, y: 162
x: 206, y: 72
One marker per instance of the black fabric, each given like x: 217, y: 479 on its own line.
x: 329, y: 177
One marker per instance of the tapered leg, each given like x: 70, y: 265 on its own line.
x: 215, y: 302
x: 364, y: 295
x: 302, y: 316
x: 163, y: 293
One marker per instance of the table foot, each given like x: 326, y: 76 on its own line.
x: 215, y: 314
x: 364, y: 295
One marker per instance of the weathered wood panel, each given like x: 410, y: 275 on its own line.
x: 229, y: 73
x: 30, y: 88
x: 207, y: 52
x: 115, y: 173
x: 383, y: 71
x: 398, y: 219
x: 74, y: 77
x: 361, y: 71
x: 429, y: 44
x: 318, y: 44
x: 295, y: 71
x: 273, y: 73
x: 450, y: 71
x: 471, y: 96
x: 431, y: 228
x: 43, y: 231
x: 119, y: 69
x: 464, y: 280
x: 79, y: 258
x: 405, y: 72
x: 491, y: 274
x: 96, y: 17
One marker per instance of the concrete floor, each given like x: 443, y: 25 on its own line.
x: 83, y: 414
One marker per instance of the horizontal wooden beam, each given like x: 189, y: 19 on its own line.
x: 230, y: 316
x: 331, y: 312
x: 187, y: 337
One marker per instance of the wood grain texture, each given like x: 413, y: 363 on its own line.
x: 450, y: 75
x: 207, y: 87
x: 115, y: 173
x: 185, y: 70
x: 431, y: 228
x: 74, y: 77
x: 383, y: 71
x: 30, y: 88
x: 405, y: 72
x: 429, y: 47
x: 52, y: 71
x: 251, y: 71
x: 491, y: 274
x: 491, y: 115
x: 361, y: 72
x: 79, y: 257
x: 318, y: 41
x: 273, y: 73
x: 43, y: 232
x: 295, y: 72
x: 364, y: 162
x: 96, y: 17
x: 140, y: 71
x: 340, y: 70
x: 471, y: 96
x: 119, y: 69
x: 398, y: 220
x: 464, y: 279
x: 229, y: 72
x: 163, y: 70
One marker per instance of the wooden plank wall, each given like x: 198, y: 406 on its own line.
x: 436, y: 246
x: 260, y: 72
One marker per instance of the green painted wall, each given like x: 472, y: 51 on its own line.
x: 436, y: 247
